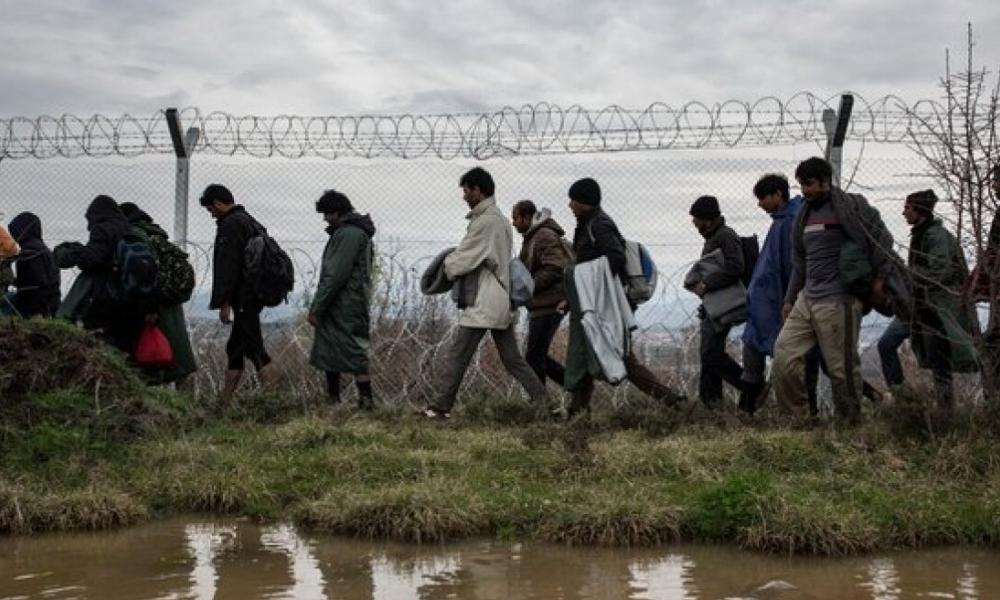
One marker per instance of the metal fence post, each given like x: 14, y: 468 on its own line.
x: 183, y: 147
x: 835, y: 124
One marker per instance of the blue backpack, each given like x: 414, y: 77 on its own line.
x: 135, y: 275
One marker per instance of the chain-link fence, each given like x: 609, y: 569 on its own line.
x: 650, y: 174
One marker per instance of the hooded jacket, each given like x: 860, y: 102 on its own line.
x: 234, y: 230
x: 107, y: 225
x: 771, y: 274
x: 37, y: 280
x: 940, y: 312
x: 546, y: 257
x: 343, y: 296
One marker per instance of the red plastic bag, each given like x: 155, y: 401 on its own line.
x: 153, y: 350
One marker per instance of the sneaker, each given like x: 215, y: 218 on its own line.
x: 433, y: 413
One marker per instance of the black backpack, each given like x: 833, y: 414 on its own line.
x: 751, y: 252
x: 268, y: 270
x: 135, y: 275
x: 176, y: 273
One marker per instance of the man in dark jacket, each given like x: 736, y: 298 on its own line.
x: 597, y: 235
x: 941, y: 327
x: 119, y: 322
x: 231, y: 294
x: 339, y: 310
x: 37, y: 282
x: 545, y: 253
x: 824, y: 303
x: 716, y: 365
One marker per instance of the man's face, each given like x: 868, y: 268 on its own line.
x: 471, y: 195
x: 331, y: 217
x: 771, y: 202
x: 814, y: 190
x: 912, y: 215
x: 521, y: 222
x: 216, y: 209
x: 579, y: 208
x: 701, y: 225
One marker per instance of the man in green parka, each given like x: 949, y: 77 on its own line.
x: 940, y: 332
x: 339, y: 310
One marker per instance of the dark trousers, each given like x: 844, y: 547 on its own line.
x: 246, y: 342
x: 716, y: 365
x: 638, y: 375
x: 755, y: 364
x: 937, y: 348
x: 460, y: 353
x: 541, y: 330
x: 120, y: 323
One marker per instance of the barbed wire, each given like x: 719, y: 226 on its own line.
x: 541, y: 128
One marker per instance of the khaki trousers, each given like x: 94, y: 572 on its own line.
x: 834, y: 325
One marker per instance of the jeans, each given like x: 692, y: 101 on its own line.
x: 888, y: 351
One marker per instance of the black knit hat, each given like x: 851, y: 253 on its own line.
x: 706, y: 207
x: 923, y: 201
x: 586, y: 191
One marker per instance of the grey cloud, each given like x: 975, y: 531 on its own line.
x: 317, y: 57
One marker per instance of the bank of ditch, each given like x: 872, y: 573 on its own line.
x: 93, y: 449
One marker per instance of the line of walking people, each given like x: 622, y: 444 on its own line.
x: 826, y: 260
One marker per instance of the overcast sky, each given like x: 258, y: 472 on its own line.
x: 335, y: 57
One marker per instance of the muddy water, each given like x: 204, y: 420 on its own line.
x: 235, y: 559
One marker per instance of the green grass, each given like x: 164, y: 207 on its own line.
x: 98, y: 456
x: 830, y: 492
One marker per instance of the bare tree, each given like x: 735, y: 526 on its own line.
x: 958, y: 140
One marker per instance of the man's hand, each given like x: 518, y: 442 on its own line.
x: 699, y: 289
x: 312, y: 319
x: 225, y: 313
x: 563, y: 307
x: 785, y: 311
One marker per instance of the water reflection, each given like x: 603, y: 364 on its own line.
x: 237, y: 559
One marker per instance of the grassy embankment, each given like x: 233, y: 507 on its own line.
x: 84, y: 445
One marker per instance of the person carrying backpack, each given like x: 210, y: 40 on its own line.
x: 173, y: 267
x: 595, y: 236
x: 716, y: 365
x: 92, y: 297
x: 232, y: 293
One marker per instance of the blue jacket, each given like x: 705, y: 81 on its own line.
x: 766, y: 292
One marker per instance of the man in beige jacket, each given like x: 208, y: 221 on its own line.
x: 484, y: 253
